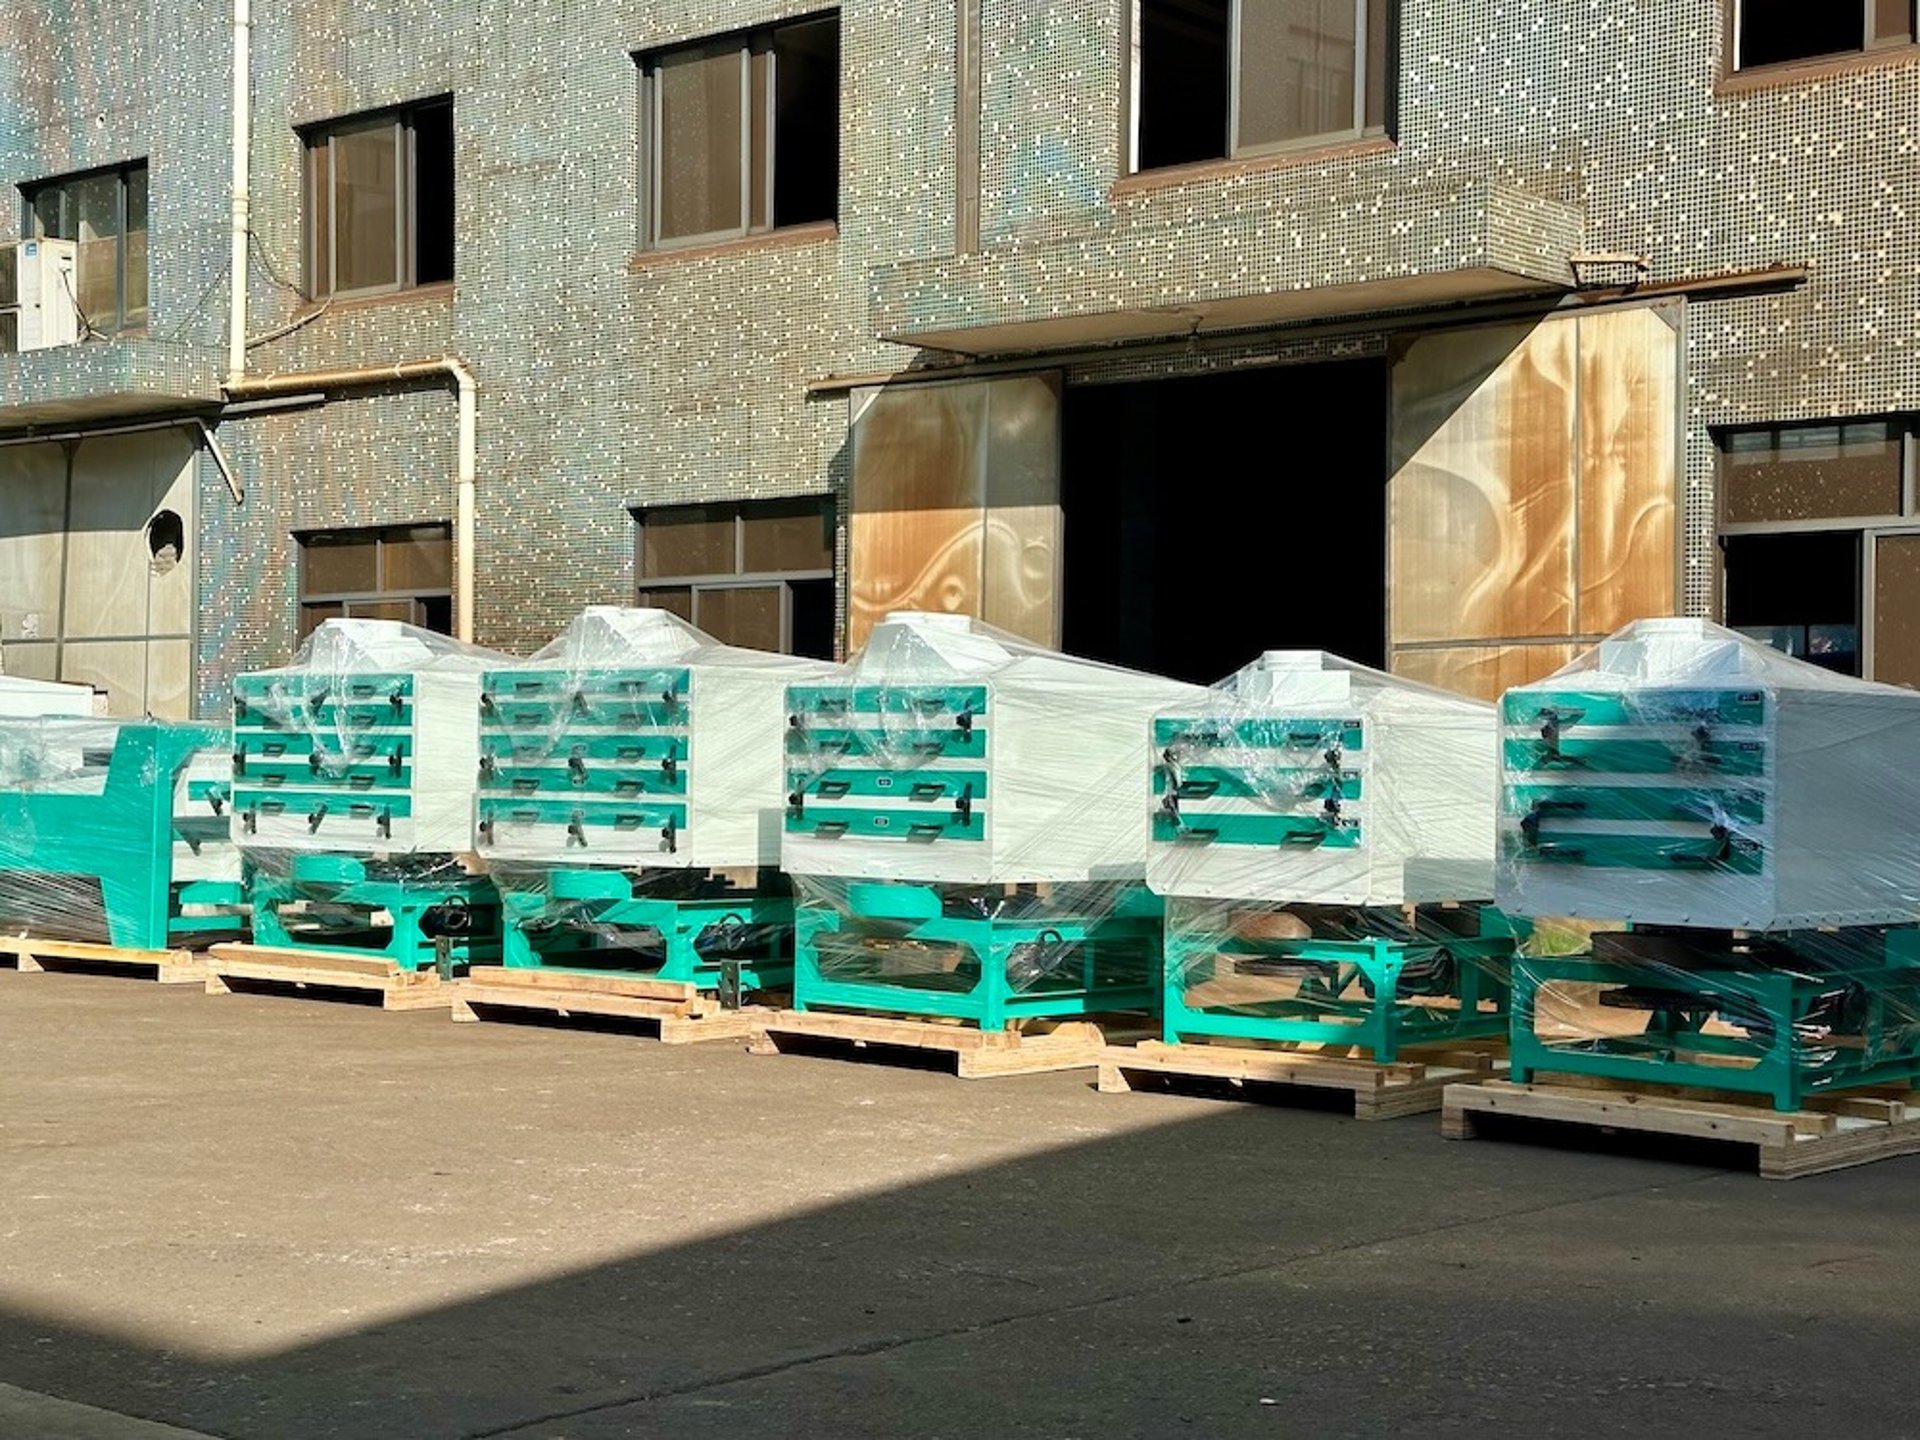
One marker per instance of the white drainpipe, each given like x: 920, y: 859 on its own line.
x: 465, y: 462
x: 242, y: 202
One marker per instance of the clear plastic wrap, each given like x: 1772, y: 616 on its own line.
x: 398, y: 906
x: 636, y: 739
x: 1309, y: 779
x: 115, y: 832
x: 1377, y: 978
x: 948, y: 751
x: 987, y: 953
x: 1682, y: 774
x: 367, y: 743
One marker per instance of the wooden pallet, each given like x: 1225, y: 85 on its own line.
x: 1834, y: 1131
x: 169, y: 967
x: 681, y: 1013
x: 1379, y: 1091
x: 978, y: 1054
x: 320, y: 974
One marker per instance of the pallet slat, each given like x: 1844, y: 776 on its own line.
x: 978, y: 1054
x: 1380, y: 1091
x: 682, y: 1014
x: 1834, y: 1132
x: 310, y: 970
x: 170, y: 967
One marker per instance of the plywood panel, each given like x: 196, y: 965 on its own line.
x: 1482, y: 499
x: 33, y: 501
x: 170, y: 679
x: 955, y: 504
x: 32, y: 661
x: 1482, y: 671
x: 107, y: 563
x: 118, y: 667
x: 1629, y: 468
x: 170, y: 590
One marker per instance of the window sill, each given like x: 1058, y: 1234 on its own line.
x: 817, y: 233
x: 415, y: 294
x: 1794, y: 74
x: 1171, y: 176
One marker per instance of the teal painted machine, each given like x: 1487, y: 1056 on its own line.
x: 115, y: 833
x: 353, y: 790
x: 1324, y: 835
x: 965, y: 830
x: 629, y: 780
x: 1743, y: 826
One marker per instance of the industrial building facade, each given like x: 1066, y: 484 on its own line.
x: 1448, y: 334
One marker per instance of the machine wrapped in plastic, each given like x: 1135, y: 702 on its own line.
x: 629, y: 805
x: 1751, y: 820
x: 21, y: 697
x: 354, y: 775
x: 967, y: 827
x: 1324, y: 833
x: 115, y: 833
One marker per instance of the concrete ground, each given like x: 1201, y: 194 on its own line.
x: 275, y: 1218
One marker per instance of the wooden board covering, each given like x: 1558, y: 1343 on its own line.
x: 1380, y: 1091
x: 956, y: 504
x: 679, y: 1013
x: 318, y: 972
x: 1044, y: 1045
x: 169, y: 967
x: 1534, y: 500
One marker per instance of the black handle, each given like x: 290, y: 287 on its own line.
x: 315, y: 816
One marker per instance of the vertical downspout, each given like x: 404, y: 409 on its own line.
x: 242, y: 202
x: 465, y: 462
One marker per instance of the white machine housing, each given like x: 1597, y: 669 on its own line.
x: 38, y: 286
x: 23, y: 698
x: 1806, y: 783
x: 1415, y: 819
x: 392, y: 713
x: 726, y: 726
x: 1062, y: 750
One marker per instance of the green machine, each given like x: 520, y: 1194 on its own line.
x: 116, y: 832
x: 1323, y: 833
x: 353, y: 785
x: 628, y: 790
x: 965, y: 829
x: 1742, y: 825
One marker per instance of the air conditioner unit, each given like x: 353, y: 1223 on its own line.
x: 38, y: 285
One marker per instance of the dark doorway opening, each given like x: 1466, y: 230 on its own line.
x: 1799, y: 593
x: 1211, y: 518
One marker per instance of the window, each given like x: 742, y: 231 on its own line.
x: 1221, y: 78
x: 1779, y: 32
x: 758, y: 575
x: 742, y: 135
x: 1820, y: 543
x: 379, y: 202
x: 400, y: 573
x: 105, y: 213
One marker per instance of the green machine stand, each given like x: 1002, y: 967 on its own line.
x: 1781, y: 1015
x: 1369, y: 978
x: 102, y: 845
x: 990, y: 955
x: 683, y: 925
x: 357, y: 905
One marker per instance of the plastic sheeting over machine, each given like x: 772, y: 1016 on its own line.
x: 20, y: 696
x: 354, y: 773
x: 630, y: 776
x: 115, y: 833
x: 966, y: 827
x: 1324, y: 834
x: 1751, y: 818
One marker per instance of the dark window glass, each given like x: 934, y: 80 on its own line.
x: 1185, y: 81
x: 1798, y: 593
x: 1811, y: 472
x: 379, y: 202
x: 1774, y: 32
x: 744, y: 134
x: 433, y: 195
x: 398, y: 573
x: 105, y: 214
x: 761, y: 572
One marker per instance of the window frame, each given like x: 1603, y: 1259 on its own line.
x: 1360, y: 131
x: 122, y: 173
x: 1870, y: 529
x: 739, y: 578
x: 382, y: 536
x: 1870, y: 48
x: 746, y: 44
x: 406, y: 211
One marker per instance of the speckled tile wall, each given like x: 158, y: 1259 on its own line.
x: 607, y: 383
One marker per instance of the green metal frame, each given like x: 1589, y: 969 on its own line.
x: 121, y: 841
x: 1785, y: 1047
x: 1108, y: 954
x: 1374, y: 993
x: 345, y: 891
x: 715, y: 936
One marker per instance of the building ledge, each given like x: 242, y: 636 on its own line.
x: 104, y: 381
x: 1174, y: 270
